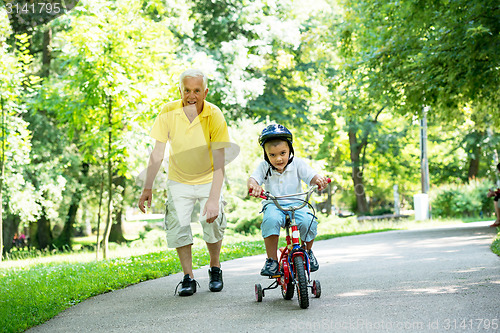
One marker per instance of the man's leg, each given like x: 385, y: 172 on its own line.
x: 186, y: 259
x: 214, y: 272
x: 214, y: 251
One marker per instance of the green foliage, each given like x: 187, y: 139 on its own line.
x: 462, y: 200
x: 495, y: 246
x: 245, y: 216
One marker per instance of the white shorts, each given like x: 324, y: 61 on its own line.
x: 181, y: 199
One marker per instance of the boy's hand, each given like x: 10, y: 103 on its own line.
x: 321, y: 181
x: 255, y: 190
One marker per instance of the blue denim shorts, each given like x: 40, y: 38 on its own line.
x: 274, y: 220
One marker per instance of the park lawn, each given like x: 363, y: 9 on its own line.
x: 33, y: 292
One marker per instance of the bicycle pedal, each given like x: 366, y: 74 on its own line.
x: 276, y: 276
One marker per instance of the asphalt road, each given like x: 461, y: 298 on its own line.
x: 431, y: 280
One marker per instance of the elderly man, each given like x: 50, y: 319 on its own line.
x: 197, y: 133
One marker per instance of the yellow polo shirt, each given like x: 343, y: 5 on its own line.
x: 191, y: 143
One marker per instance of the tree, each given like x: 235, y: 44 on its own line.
x: 98, y: 95
x: 15, y: 85
x: 443, y: 54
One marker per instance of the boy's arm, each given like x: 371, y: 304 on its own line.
x: 321, y: 181
x: 254, y: 189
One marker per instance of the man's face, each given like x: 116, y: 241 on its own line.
x: 278, y: 154
x: 193, y: 93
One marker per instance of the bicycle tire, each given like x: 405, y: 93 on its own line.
x: 259, y: 293
x: 287, y: 290
x: 300, y: 275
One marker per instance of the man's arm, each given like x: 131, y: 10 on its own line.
x: 154, y: 165
x: 211, y: 209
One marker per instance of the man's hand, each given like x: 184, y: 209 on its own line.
x: 147, y: 195
x: 211, y: 210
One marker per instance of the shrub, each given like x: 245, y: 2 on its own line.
x: 245, y: 216
x: 462, y: 200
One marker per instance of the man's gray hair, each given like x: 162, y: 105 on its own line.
x: 191, y: 73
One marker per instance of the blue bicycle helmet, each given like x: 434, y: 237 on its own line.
x: 276, y: 131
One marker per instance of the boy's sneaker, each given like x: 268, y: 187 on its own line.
x: 215, y: 274
x: 270, y: 268
x: 313, y: 262
x: 188, y: 286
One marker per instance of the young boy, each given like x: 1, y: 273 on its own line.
x: 281, y: 174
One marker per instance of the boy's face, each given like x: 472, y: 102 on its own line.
x: 278, y: 155
x: 193, y: 93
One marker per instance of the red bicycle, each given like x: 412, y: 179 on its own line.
x: 294, y: 260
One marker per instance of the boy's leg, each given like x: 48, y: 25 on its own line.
x: 270, y: 227
x: 308, y: 245
x: 271, y: 244
x: 307, y: 225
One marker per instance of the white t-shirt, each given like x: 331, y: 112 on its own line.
x: 287, y: 182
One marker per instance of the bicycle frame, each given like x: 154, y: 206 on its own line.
x: 293, y: 247
x: 293, y: 256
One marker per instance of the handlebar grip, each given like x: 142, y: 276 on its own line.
x: 262, y: 196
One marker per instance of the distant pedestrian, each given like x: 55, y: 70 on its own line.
x: 495, y: 195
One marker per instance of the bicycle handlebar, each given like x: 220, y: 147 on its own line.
x: 269, y: 196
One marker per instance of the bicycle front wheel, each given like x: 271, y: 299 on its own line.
x: 300, y: 275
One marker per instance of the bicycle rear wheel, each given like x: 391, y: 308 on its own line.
x: 300, y: 275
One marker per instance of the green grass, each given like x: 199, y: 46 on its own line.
x: 34, y: 290
x: 495, y: 246
x: 31, y: 296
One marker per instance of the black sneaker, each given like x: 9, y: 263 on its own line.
x: 188, y: 286
x: 215, y: 274
x: 313, y: 262
x: 270, y: 268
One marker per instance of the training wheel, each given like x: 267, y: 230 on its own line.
x: 259, y: 293
x: 316, y: 289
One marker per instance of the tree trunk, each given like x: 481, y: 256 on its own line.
x: 10, y: 228
x: 329, y: 200
x: 116, y: 233
x: 44, y: 234
x: 357, y: 174
x: 67, y: 233
x: 98, y: 243
x: 110, y: 183
x: 64, y: 239
x: 474, y: 163
x: 46, y: 52
x: 2, y: 170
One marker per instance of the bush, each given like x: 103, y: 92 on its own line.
x: 245, y: 216
x: 462, y: 200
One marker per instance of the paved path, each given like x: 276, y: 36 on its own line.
x: 432, y: 280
